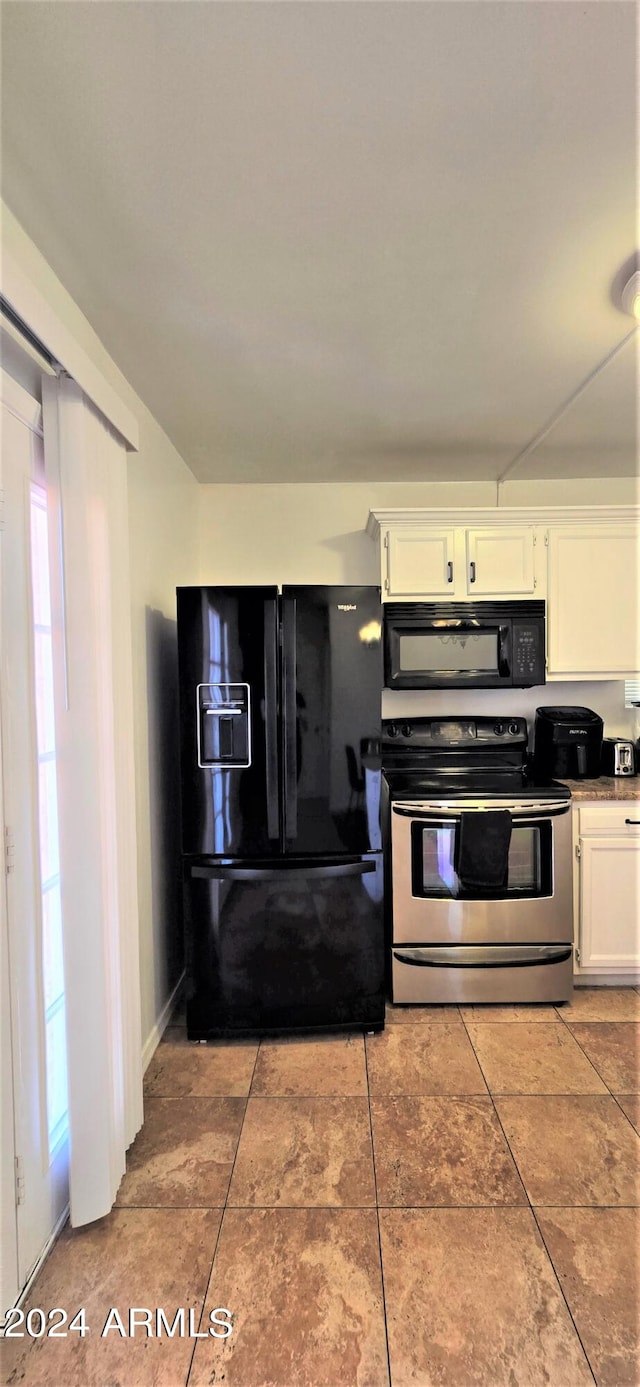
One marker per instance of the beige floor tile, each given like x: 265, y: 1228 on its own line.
x: 525, y: 1058
x: 305, y: 1292
x: 321, y: 1065
x: 421, y: 1060
x: 630, y: 1104
x: 431, y: 1151
x: 602, y: 1004
x: 573, y: 1149
x: 221, y: 1069
x: 184, y: 1153
x: 614, y: 1050
x: 472, y: 1300
x: 153, y: 1258
x: 496, y: 1013
x: 596, y: 1253
x: 414, y: 1014
x: 304, y: 1151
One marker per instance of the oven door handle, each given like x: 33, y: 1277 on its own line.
x: 481, y: 956
x: 449, y: 815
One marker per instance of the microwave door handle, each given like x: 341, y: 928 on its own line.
x: 504, y: 652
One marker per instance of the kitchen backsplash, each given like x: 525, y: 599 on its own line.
x: 605, y: 698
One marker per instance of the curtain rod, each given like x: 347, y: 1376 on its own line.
x: 17, y: 322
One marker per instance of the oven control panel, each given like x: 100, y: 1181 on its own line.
x: 438, y: 733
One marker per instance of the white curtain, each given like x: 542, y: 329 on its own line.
x: 86, y: 472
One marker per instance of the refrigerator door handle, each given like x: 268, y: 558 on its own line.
x: 307, y: 873
x: 290, y: 713
x: 271, y: 716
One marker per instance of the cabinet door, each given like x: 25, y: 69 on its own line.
x: 420, y: 563
x: 610, y: 904
x: 500, y: 561
x: 592, y: 611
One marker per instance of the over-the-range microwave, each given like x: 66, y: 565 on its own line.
x: 463, y: 645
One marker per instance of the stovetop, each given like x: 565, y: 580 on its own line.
x: 462, y: 757
x: 470, y: 784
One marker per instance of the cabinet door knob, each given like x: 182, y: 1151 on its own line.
x: 632, y: 821
x: 472, y: 572
x: 449, y: 572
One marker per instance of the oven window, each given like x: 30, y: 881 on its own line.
x: 448, y: 652
x: 433, y: 855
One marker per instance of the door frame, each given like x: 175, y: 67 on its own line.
x: 35, y: 1201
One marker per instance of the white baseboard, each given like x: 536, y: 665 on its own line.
x: 584, y: 979
x: 157, y: 1031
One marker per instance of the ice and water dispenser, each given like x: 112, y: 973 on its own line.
x: 224, y: 725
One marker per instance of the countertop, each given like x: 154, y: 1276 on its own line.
x: 611, y: 787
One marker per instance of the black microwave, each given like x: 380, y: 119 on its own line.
x: 463, y: 645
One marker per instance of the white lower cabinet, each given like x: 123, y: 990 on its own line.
x: 608, y: 888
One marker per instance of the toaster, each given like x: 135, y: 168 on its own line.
x: 618, y: 757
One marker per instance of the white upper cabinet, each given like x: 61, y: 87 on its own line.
x: 592, y: 608
x: 420, y: 562
x: 583, y: 561
x: 500, y: 562
x: 426, y: 561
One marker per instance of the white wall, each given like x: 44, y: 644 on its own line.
x: 604, y: 697
x: 573, y: 491
x: 308, y: 533
x: 163, y: 503
x: 316, y: 534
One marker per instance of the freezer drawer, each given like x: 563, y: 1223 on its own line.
x: 297, y: 946
x: 491, y: 973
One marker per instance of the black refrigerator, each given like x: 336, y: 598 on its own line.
x: 280, y: 699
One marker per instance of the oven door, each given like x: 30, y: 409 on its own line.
x: 467, y: 654
x: 431, y: 907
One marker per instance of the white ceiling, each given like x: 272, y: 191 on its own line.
x: 341, y: 241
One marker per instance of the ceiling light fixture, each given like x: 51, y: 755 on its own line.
x: 630, y: 296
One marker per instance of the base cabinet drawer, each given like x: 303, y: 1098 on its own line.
x: 623, y: 820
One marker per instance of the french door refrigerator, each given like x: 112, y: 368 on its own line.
x: 280, y: 780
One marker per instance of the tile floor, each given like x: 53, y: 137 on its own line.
x: 452, y: 1202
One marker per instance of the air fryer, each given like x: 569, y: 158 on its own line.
x: 567, y: 743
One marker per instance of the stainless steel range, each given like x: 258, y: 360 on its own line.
x: 479, y: 857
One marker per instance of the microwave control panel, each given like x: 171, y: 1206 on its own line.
x: 528, y: 652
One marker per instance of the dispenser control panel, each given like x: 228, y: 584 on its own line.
x: 224, y: 726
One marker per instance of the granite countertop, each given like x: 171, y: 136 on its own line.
x: 606, y: 787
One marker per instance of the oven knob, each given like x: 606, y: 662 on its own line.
x: 498, y: 728
x: 407, y: 730
x: 514, y: 729
x: 392, y: 730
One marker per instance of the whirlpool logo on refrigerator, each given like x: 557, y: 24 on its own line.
x: 347, y: 606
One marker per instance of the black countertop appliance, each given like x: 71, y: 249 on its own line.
x: 567, y: 743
